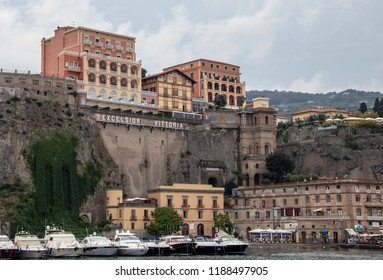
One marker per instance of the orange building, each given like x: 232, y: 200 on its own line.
x: 213, y: 78
x: 103, y: 64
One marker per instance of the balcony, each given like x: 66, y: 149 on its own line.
x: 133, y: 218
x: 200, y: 206
x: 109, y: 46
x: 185, y: 206
x: 73, y: 68
x: 87, y: 42
x: 324, y: 217
x: 119, y: 48
x: 146, y: 219
x: 129, y: 49
x: 375, y: 218
x: 98, y: 44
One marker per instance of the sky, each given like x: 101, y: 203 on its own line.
x: 314, y: 46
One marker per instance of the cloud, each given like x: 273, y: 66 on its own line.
x: 313, y: 85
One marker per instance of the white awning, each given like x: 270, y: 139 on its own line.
x: 350, y: 231
x: 317, y: 210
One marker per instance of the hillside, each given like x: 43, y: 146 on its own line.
x: 288, y: 101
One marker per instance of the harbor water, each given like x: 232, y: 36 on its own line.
x: 292, y: 251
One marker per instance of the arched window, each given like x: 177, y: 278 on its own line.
x: 231, y: 100
x: 200, y: 229
x: 257, y: 179
x: 102, y: 65
x: 124, y: 82
x: 210, y: 97
x: 103, y: 79
x: 103, y: 93
x: 91, y: 92
x: 113, y: 95
x: 113, y: 67
x: 267, y: 150
x: 91, y: 63
x: 113, y: 81
x: 124, y: 68
x: 124, y: 96
x: 91, y: 78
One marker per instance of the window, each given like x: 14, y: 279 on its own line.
x: 215, y: 213
x: 268, y: 215
x: 357, y: 198
x: 378, y: 188
x: 296, y: 201
x: 369, y: 212
x: 200, y: 202
x: 340, y: 212
x: 317, y: 199
x: 368, y: 198
x: 170, y: 201
x: 338, y: 187
x: 200, y: 214
x: 358, y: 212
x: 184, y: 202
x: 247, y: 215
x: 274, y: 203
x: 256, y: 215
x: 339, y: 198
x: 379, y: 212
x: 307, y: 199
x: 368, y: 187
x: 215, y: 202
x: 328, y: 198
x: 146, y: 214
x: 378, y: 198
x: 328, y: 212
x: 235, y: 215
x: 263, y: 203
x: 185, y: 214
x: 132, y: 226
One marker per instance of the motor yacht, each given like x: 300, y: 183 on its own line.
x: 60, y: 243
x: 97, y: 245
x: 7, y: 248
x: 28, y: 246
x: 129, y: 244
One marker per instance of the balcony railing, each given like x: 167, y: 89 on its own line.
x: 133, y: 218
x: 98, y: 44
x: 375, y: 218
x: 185, y: 206
x: 146, y: 219
x: 87, y: 42
x: 109, y: 46
x: 200, y: 206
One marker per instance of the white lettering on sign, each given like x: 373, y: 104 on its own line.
x: 139, y: 121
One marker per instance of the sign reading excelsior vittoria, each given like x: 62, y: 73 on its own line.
x: 140, y: 121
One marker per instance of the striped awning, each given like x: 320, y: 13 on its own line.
x: 350, y: 231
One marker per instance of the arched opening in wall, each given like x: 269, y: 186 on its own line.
x: 257, y: 179
x: 267, y: 150
x: 200, y: 229
x: 247, y: 179
x: 231, y: 100
x: 185, y: 229
x: 266, y: 120
x: 247, y: 233
x: 91, y: 63
x: 210, y: 97
x: 85, y: 218
x: 209, y: 85
x: 102, y: 65
x: 216, y: 86
x: 213, y: 181
x: 91, y: 78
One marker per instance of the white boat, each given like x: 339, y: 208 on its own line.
x: 232, y: 244
x: 60, y: 243
x: 97, y: 245
x: 28, y: 246
x: 128, y: 244
x: 179, y: 244
x: 7, y: 248
x: 206, y: 245
x: 156, y: 247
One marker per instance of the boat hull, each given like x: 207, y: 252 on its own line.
x: 132, y: 250
x: 64, y: 252
x: 106, y: 251
x: 238, y: 249
x: 209, y: 249
x: 187, y: 248
x: 30, y: 254
x: 7, y: 253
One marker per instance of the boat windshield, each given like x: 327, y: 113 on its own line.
x: 127, y: 238
x: 4, y: 239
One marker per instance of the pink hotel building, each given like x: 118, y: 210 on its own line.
x: 103, y: 64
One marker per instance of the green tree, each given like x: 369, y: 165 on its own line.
x: 363, y: 107
x: 220, y: 100
x: 143, y: 73
x: 165, y: 221
x: 240, y: 100
x: 222, y: 222
x: 380, y: 108
x: 278, y: 164
x: 376, y: 105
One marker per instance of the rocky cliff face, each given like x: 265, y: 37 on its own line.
x: 341, y: 152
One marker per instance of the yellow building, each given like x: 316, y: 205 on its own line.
x: 173, y: 88
x: 330, y: 113
x: 197, y: 204
x: 130, y: 213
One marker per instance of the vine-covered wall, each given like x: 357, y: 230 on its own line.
x: 59, y: 189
